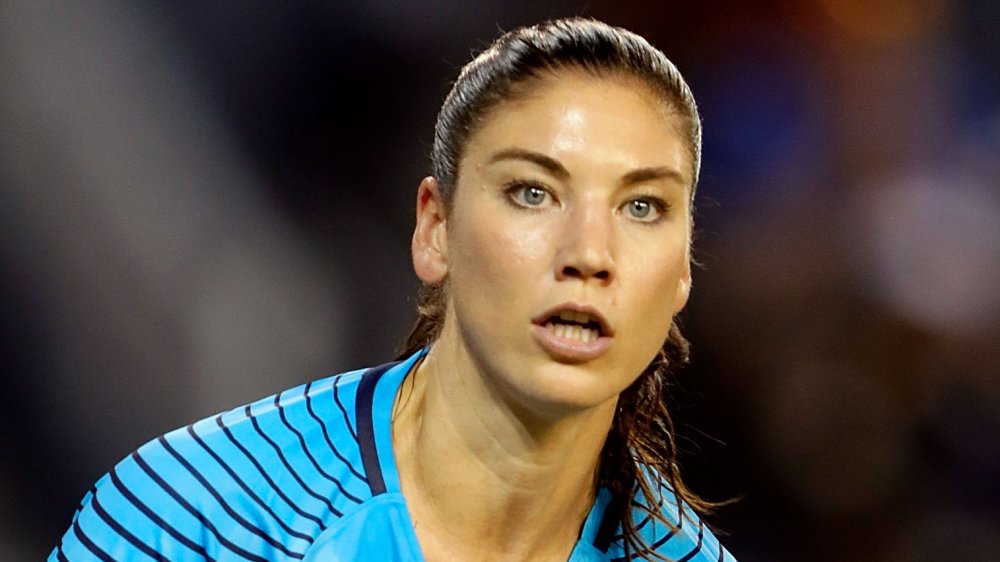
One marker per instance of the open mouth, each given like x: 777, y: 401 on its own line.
x: 573, y: 333
x: 575, y: 325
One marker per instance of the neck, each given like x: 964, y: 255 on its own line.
x: 482, y: 477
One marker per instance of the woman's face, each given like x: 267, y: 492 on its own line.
x: 566, y: 244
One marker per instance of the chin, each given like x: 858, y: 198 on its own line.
x: 558, y: 390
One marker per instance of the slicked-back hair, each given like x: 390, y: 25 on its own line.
x: 528, y: 53
x: 639, y: 460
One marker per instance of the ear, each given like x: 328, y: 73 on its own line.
x: 683, y: 288
x: 430, y: 237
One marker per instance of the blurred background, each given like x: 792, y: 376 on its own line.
x: 202, y: 203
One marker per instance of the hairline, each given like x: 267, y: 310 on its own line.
x: 522, y: 89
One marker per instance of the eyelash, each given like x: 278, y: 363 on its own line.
x: 514, y: 189
x: 658, y: 205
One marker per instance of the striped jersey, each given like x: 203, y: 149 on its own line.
x: 307, y: 474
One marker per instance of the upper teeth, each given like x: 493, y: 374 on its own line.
x: 574, y: 316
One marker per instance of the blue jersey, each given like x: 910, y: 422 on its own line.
x: 307, y: 474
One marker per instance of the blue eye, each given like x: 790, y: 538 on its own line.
x: 639, y: 209
x: 528, y: 194
x: 645, y: 209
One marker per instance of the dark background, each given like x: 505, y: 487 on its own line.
x: 202, y: 203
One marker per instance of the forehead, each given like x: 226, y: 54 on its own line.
x: 576, y: 116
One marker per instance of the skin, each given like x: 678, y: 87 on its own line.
x: 576, y: 192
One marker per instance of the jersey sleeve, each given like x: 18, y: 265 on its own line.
x: 686, y: 539
x: 124, y: 518
x: 184, y: 496
x: 257, y: 483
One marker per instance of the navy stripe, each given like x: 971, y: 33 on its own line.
x: 305, y: 449
x: 266, y: 476
x: 673, y: 531
x: 288, y: 466
x: 326, y: 436
x: 239, y: 481
x: 59, y: 553
x: 662, y: 541
x: 218, y: 497
x: 722, y: 553
x: 83, y: 503
x: 89, y: 543
x: 609, y: 523
x: 190, y: 509
x: 697, y: 547
x: 645, y: 520
x: 156, y: 519
x: 366, y: 427
x: 122, y: 531
x: 343, y: 410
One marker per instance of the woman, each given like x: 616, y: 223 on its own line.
x: 525, y: 420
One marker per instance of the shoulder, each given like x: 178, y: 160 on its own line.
x: 684, y: 537
x: 259, y: 482
x: 378, y: 530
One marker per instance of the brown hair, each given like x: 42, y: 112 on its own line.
x: 640, y: 454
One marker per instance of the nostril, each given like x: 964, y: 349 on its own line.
x: 570, y: 271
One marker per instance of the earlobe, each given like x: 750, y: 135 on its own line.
x: 430, y: 240
x: 683, y: 289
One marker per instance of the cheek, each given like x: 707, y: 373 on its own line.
x: 498, y: 254
x: 494, y: 277
x: 655, y: 284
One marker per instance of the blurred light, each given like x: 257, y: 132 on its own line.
x: 933, y: 253
x: 886, y: 20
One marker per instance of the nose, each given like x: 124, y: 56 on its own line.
x: 585, y: 246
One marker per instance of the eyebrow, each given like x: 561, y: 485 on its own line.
x: 554, y: 167
x: 550, y: 164
x: 650, y: 174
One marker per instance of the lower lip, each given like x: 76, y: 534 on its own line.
x: 568, y: 349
